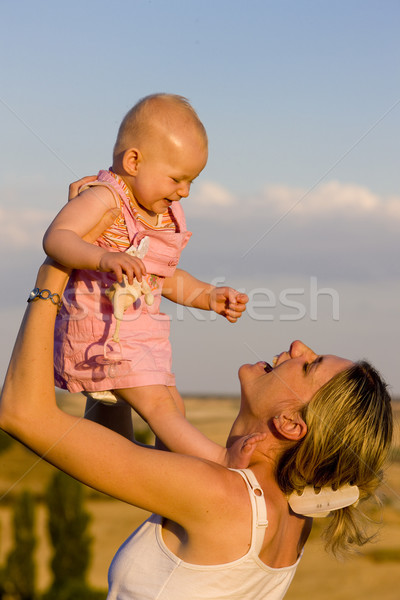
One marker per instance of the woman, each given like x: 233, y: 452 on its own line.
x: 223, y: 533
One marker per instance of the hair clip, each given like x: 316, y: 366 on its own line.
x: 311, y: 503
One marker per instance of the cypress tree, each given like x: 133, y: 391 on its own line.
x: 68, y: 528
x: 20, y: 570
x: 2, y: 574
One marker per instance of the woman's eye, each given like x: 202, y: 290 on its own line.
x: 305, y: 367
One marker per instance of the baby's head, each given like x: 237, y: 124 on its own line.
x: 160, y: 137
x: 156, y: 116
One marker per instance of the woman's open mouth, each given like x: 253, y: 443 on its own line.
x: 268, y: 368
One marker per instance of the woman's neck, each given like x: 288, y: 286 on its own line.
x: 245, y: 424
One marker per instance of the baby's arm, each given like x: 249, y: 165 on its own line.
x: 185, y: 289
x: 63, y: 241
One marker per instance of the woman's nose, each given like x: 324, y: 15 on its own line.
x: 297, y: 348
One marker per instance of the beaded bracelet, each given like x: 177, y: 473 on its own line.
x: 45, y: 295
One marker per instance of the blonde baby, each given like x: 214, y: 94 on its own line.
x: 160, y: 149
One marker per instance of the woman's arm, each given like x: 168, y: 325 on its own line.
x: 185, y: 289
x: 179, y: 487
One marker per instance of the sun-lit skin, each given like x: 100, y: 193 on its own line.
x: 298, y: 373
x: 160, y: 174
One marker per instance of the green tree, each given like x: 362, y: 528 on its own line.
x: 20, y: 564
x: 68, y: 527
x: 2, y: 574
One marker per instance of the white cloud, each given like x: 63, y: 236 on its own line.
x: 392, y: 208
x: 23, y: 228
x: 208, y: 196
x: 338, y: 230
x: 347, y: 202
x: 332, y: 198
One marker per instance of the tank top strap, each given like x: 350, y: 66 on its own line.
x: 259, y: 509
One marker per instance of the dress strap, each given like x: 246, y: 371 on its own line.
x: 259, y: 508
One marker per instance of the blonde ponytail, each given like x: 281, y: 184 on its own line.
x: 349, y: 431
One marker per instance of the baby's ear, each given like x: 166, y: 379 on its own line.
x: 131, y: 160
x: 290, y: 426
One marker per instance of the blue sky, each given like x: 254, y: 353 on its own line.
x: 299, y: 203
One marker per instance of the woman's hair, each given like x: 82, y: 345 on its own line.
x: 349, y: 431
x: 142, y: 119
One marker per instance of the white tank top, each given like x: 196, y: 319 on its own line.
x: 145, y: 569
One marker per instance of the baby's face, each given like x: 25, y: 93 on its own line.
x: 167, y: 170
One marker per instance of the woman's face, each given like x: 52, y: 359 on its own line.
x: 293, y: 380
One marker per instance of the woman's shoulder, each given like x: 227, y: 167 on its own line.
x: 286, y: 533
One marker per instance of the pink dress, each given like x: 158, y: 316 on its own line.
x: 86, y: 320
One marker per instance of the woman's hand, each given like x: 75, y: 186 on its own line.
x: 105, y: 222
x: 73, y: 190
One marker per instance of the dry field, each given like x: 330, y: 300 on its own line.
x: 373, y: 575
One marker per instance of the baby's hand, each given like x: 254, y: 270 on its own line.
x: 228, y: 303
x: 120, y: 263
x: 239, y: 454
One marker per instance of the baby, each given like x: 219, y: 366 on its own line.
x: 160, y: 149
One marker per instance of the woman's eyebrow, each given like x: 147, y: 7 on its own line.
x: 309, y: 365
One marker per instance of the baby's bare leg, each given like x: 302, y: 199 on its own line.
x: 152, y: 403
x: 158, y: 405
x: 162, y: 407
x: 149, y: 399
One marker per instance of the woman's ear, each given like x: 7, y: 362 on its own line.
x: 290, y: 426
x: 131, y: 160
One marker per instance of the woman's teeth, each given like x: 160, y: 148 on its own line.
x: 268, y: 367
